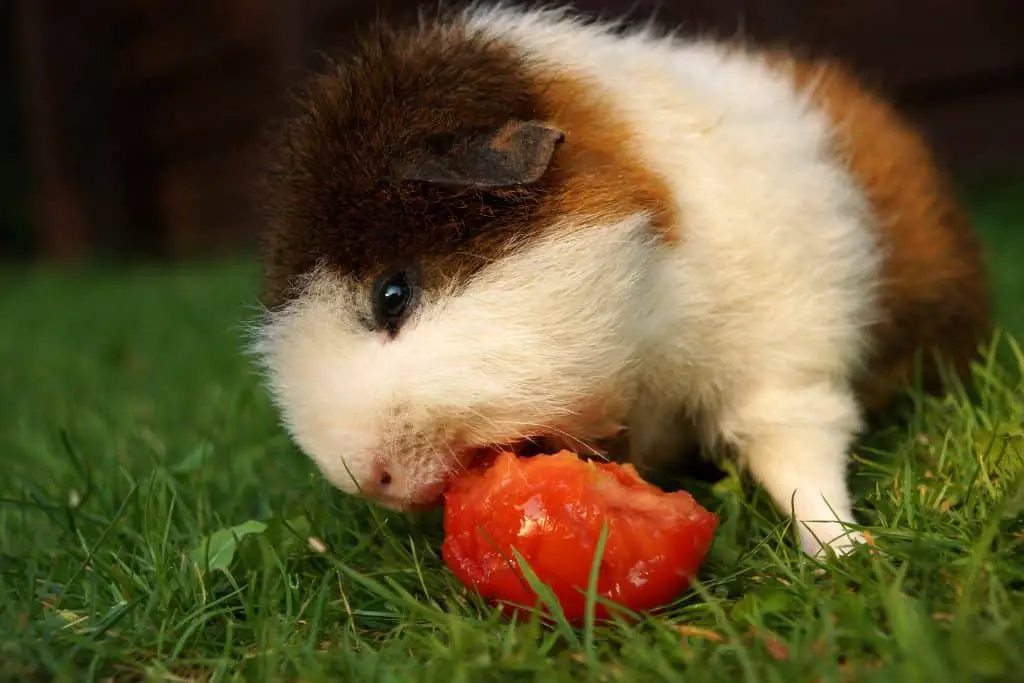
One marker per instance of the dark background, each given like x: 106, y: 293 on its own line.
x: 132, y: 128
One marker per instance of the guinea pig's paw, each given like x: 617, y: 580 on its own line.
x: 820, y: 539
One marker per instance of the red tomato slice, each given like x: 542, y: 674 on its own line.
x: 551, y: 509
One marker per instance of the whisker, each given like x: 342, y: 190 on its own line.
x: 502, y: 425
x: 560, y: 432
x: 453, y: 464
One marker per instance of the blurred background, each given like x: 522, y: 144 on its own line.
x: 132, y: 128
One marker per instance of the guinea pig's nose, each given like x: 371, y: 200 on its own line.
x: 387, y: 485
x: 379, y: 480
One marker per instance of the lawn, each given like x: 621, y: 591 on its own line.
x: 134, y: 430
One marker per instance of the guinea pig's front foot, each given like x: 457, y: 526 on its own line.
x: 794, y: 443
x: 823, y: 538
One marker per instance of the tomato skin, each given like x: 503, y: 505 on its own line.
x: 551, y: 509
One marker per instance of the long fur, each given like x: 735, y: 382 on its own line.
x: 748, y: 318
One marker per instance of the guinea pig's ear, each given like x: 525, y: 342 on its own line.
x: 517, y: 154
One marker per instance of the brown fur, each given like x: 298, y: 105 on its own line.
x: 336, y: 198
x: 603, y: 177
x: 934, y: 290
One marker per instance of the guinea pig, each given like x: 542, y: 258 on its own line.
x: 505, y: 225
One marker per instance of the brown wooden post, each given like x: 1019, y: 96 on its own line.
x: 290, y: 38
x: 72, y: 150
x: 59, y: 207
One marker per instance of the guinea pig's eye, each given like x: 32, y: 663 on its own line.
x: 394, y: 296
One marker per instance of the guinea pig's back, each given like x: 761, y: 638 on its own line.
x: 787, y: 176
x: 934, y: 293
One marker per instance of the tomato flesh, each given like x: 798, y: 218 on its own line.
x: 551, y: 509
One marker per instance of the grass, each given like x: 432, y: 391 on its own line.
x: 134, y: 434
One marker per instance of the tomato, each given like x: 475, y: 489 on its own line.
x: 551, y: 508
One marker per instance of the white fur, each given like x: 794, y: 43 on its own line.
x: 749, y: 329
x: 525, y: 349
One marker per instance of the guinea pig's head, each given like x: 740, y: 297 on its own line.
x: 460, y: 255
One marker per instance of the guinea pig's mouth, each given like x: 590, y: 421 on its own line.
x: 476, y: 458
x: 481, y: 457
